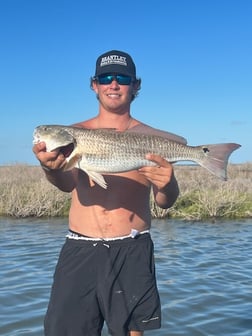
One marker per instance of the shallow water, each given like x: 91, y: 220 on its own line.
x: 204, y: 273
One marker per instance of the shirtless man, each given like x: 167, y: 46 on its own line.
x: 106, y: 270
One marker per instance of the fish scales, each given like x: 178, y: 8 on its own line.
x: 111, y: 151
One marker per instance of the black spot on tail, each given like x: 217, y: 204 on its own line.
x: 205, y: 150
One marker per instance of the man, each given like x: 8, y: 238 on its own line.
x: 105, y: 270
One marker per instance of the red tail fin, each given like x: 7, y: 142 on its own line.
x: 216, y: 158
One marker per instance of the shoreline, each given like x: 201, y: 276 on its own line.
x: 25, y: 192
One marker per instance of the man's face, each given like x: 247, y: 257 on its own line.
x: 114, y: 96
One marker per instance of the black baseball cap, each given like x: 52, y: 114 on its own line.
x: 115, y: 61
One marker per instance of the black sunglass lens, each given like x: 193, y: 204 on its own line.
x: 121, y: 80
x: 105, y: 79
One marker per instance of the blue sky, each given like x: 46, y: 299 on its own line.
x: 194, y: 58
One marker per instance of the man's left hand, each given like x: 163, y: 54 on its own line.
x: 159, y: 175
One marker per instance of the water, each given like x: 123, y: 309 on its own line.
x: 204, y: 273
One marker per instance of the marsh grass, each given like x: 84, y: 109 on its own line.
x: 202, y: 195
x: 25, y: 192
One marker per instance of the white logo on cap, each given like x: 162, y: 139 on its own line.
x: 113, y: 59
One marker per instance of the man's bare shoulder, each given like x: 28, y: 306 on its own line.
x: 90, y: 123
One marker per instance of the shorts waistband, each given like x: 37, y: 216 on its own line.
x: 77, y: 236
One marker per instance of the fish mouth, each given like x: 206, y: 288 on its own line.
x: 66, y: 150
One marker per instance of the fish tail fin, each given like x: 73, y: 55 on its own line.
x: 216, y: 158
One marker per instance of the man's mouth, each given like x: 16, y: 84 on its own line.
x: 113, y: 95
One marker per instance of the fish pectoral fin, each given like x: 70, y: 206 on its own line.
x: 84, y: 165
x: 98, y: 178
x: 72, y: 162
x: 76, y: 161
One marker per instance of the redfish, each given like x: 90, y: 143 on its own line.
x: 103, y: 151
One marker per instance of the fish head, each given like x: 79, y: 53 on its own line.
x: 55, y: 138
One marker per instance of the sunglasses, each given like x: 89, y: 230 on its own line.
x: 108, y: 79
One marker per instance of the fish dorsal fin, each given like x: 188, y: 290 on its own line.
x: 107, y: 129
x: 95, y: 129
x: 148, y: 130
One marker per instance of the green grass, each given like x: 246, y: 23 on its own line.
x: 204, y: 196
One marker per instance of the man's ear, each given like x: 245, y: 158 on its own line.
x: 93, y: 84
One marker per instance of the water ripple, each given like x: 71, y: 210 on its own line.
x: 204, y: 276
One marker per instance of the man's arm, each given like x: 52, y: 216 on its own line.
x: 165, y: 186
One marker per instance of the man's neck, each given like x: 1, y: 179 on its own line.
x: 118, y: 122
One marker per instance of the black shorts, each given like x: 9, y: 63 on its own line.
x: 97, y: 281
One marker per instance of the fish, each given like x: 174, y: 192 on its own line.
x: 105, y: 151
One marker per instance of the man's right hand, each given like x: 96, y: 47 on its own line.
x: 48, y: 160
